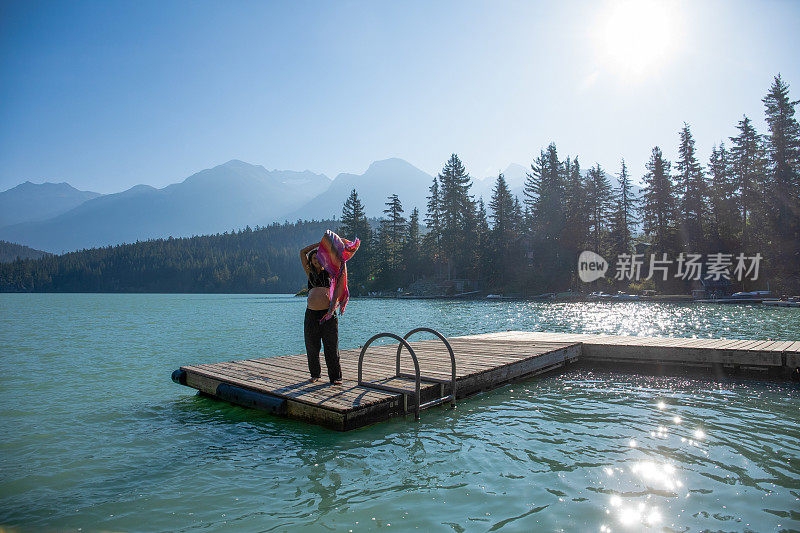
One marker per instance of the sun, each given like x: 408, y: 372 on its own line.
x: 637, y: 37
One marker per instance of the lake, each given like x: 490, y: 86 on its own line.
x: 96, y: 436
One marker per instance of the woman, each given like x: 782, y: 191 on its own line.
x: 321, y: 324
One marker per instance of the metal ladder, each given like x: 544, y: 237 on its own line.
x: 403, y: 342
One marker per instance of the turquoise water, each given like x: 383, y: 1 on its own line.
x: 96, y: 436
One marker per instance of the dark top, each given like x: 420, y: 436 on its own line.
x: 318, y: 279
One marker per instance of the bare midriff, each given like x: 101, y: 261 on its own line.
x: 318, y: 298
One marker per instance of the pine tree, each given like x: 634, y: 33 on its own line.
x: 782, y: 193
x: 690, y: 187
x: 457, y: 211
x: 658, y: 203
x: 482, y: 252
x: 354, y: 219
x: 412, y: 236
x: 520, y: 217
x: 598, y: 202
x: 503, y: 231
x: 411, y: 247
x: 502, y: 206
x: 723, y: 222
x: 544, y: 200
x: 544, y: 192
x: 354, y: 224
x: 748, y: 172
x: 393, y: 230
x: 576, y: 231
x: 433, y: 221
x: 623, y: 217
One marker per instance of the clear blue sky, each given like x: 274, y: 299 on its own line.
x: 106, y: 95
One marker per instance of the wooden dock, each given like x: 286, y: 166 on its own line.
x: 671, y: 351
x: 280, y: 384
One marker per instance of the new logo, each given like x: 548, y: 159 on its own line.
x: 591, y: 266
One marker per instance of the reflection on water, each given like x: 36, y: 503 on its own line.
x: 95, y: 435
x: 650, y: 476
x: 633, y: 502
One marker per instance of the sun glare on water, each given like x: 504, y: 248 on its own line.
x: 637, y: 37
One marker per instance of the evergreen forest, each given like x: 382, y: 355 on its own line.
x: 744, y: 200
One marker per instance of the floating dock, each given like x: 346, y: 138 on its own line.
x: 406, y: 376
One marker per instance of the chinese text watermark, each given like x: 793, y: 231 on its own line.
x: 688, y: 267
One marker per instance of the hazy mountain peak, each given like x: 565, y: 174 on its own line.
x: 239, y: 164
x: 29, y: 186
x: 140, y: 188
x: 515, y: 169
x: 381, y: 179
x: 28, y: 201
x: 392, y: 163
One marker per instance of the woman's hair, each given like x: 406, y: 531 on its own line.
x: 310, y: 256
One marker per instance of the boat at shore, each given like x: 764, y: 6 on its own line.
x: 729, y: 301
x: 781, y: 303
x: 598, y: 295
x: 752, y: 297
x: 618, y: 297
x: 624, y: 297
x: 789, y: 302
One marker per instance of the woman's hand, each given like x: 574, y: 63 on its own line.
x: 310, y: 247
x: 331, y: 311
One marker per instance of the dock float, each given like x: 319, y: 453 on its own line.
x: 406, y: 376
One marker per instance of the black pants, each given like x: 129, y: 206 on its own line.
x: 326, y: 334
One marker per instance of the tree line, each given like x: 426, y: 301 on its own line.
x: 260, y: 260
x: 745, y: 199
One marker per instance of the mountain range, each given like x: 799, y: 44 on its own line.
x: 57, y: 217
x: 226, y: 197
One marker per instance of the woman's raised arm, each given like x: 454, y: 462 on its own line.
x: 304, y: 256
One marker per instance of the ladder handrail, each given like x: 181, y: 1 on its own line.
x: 402, y: 342
x: 449, y: 349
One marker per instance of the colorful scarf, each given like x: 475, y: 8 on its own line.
x: 332, y: 254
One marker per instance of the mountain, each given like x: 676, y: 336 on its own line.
x: 514, y: 175
x: 10, y: 252
x: 381, y: 179
x: 28, y: 202
x: 228, y: 196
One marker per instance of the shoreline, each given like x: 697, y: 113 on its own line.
x: 685, y: 299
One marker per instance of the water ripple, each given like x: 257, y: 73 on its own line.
x: 95, y: 435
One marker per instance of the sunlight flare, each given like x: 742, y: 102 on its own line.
x: 636, y: 38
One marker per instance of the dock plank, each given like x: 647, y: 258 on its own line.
x: 253, y: 384
x: 782, y: 345
x: 278, y: 381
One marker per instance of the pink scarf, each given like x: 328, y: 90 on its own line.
x: 332, y: 254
